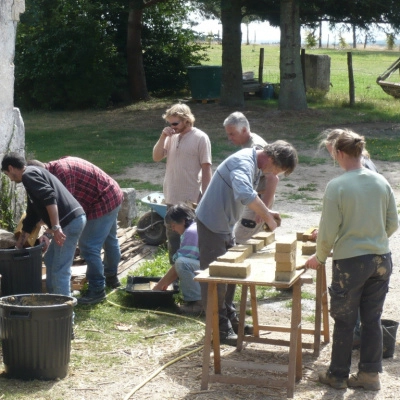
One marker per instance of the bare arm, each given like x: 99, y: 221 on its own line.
x: 167, y: 279
x: 271, y: 182
x: 206, y: 174
x: 268, y: 216
x: 21, y: 240
x: 158, y: 149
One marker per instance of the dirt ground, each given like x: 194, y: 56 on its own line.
x: 182, y: 380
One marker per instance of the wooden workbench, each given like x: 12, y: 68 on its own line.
x: 262, y: 274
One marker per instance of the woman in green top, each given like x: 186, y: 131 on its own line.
x: 359, y: 215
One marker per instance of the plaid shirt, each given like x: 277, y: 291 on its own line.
x: 97, y: 192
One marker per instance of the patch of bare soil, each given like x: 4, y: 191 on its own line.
x: 298, y: 198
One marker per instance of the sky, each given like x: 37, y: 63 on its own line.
x: 264, y: 33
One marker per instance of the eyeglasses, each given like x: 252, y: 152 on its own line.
x: 174, y: 123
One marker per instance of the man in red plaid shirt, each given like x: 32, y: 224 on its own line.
x: 101, y: 198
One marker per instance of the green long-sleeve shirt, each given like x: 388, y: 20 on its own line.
x: 359, y: 214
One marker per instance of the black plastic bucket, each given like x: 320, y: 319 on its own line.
x: 21, y: 270
x: 35, y: 331
x: 389, y: 330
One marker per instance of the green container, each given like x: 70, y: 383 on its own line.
x: 205, y: 82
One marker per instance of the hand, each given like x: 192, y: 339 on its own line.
x: 273, y: 220
x: 314, y: 234
x: 168, y: 131
x: 44, y: 239
x: 312, y: 262
x: 160, y: 287
x: 59, y: 237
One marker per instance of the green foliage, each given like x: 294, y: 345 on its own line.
x: 168, y: 48
x: 311, y: 40
x: 390, y: 41
x: 66, y: 57
x: 342, y: 42
x: 158, y: 266
x: 7, y: 197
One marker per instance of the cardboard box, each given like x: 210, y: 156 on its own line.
x: 230, y: 270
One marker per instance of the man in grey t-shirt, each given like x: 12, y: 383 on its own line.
x: 237, y: 128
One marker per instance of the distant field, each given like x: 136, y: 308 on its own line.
x: 367, y: 66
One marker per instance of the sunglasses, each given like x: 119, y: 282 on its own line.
x: 174, y: 123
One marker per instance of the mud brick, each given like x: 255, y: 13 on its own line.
x: 286, y: 266
x: 247, y: 249
x: 286, y: 246
x: 286, y: 257
x: 308, y: 248
x: 307, y: 235
x: 268, y: 237
x: 284, y: 276
x: 232, y: 257
x: 299, y: 236
x: 256, y: 243
x: 230, y: 270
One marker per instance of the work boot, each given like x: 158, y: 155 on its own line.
x: 192, y: 308
x: 328, y: 379
x: 366, y: 380
x: 248, y: 329
x: 92, y: 297
x: 228, y: 337
x: 112, y: 282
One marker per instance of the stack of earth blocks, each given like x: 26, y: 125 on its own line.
x: 285, y: 257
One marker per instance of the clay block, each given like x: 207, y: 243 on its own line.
x: 308, y: 248
x: 268, y: 237
x: 247, y: 249
x: 299, y: 236
x: 232, y: 257
x: 284, y: 276
x: 256, y: 243
x: 286, y: 257
x: 307, y: 235
x: 286, y: 246
x: 286, y: 266
x: 230, y: 270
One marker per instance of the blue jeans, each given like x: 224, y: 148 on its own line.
x: 185, y: 268
x: 59, y: 259
x: 98, y: 233
x: 358, y: 283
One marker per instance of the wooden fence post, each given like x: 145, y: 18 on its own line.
x: 351, y: 79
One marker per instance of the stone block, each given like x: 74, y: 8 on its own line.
x: 284, y: 276
x: 256, y: 243
x: 230, y: 270
x: 243, y: 248
x: 286, y: 257
x: 286, y: 266
x: 232, y: 257
x: 128, y: 210
x: 268, y: 237
x: 308, y: 248
x: 286, y: 246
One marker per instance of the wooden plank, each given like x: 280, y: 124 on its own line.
x: 279, y: 368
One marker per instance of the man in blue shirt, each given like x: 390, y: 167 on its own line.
x: 230, y: 190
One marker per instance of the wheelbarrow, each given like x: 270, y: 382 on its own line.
x: 150, y: 226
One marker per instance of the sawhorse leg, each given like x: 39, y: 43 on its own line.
x: 321, y: 310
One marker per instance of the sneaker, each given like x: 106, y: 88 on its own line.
x: 366, y: 380
x: 112, y: 282
x: 228, y: 337
x: 328, y: 379
x: 192, y: 308
x: 92, y: 297
x: 248, y: 329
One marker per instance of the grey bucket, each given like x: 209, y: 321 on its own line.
x: 389, y: 330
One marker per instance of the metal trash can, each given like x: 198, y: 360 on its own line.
x: 205, y: 82
x: 21, y: 270
x: 35, y: 332
x: 389, y: 330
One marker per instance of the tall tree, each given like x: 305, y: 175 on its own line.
x: 292, y: 94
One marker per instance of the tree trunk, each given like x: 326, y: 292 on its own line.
x: 354, y: 28
x: 232, y: 74
x: 136, y: 74
x: 292, y: 95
